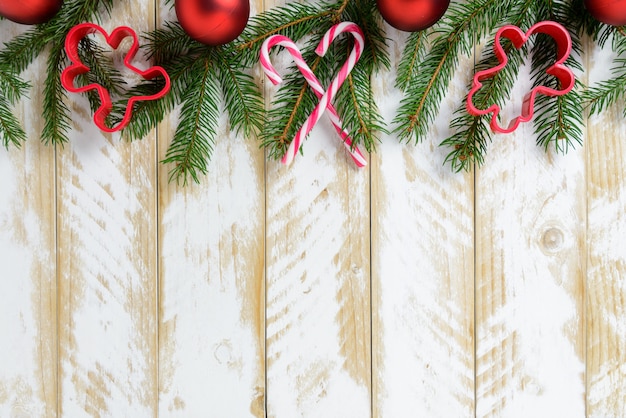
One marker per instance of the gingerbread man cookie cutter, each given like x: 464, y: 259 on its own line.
x: 558, y: 69
x: 78, y: 68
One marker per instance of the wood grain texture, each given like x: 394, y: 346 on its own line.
x: 318, y: 283
x: 28, y: 299
x: 315, y: 290
x: 530, y: 246
x: 212, y: 293
x: 606, y: 259
x: 107, y: 262
x: 318, y: 321
x: 212, y: 288
x: 422, y: 257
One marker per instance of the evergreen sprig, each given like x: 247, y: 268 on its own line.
x: 557, y: 121
x: 223, y: 81
x: 18, y: 53
x: 607, y: 93
x: 294, y: 101
x: 208, y: 81
x: 473, y: 133
x: 194, y: 139
x: 12, y: 88
x: 456, y: 34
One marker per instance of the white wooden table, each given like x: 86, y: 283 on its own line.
x: 318, y: 290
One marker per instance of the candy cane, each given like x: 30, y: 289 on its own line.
x: 316, y: 86
x: 327, y: 97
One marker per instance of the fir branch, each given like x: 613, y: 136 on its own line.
x: 414, y: 52
x: 242, y: 98
x: 558, y: 120
x: 462, y: 25
x: 55, y: 111
x: 293, y: 102
x: 167, y: 44
x: 12, y: 87
x: 11, y: 132
x: 607, y: 93
x: 193, y: 142
x: 356, y: 103
x: 472, y: 134
x: 294, y: 20
x: 22, y: 50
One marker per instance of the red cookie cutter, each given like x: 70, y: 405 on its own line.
x: 77, y: 68
x: 518, y: 38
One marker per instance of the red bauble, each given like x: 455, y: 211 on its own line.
x: 29, y: 12
x: 612, y: 12
x: 213, y: 22
x: 412, y: 15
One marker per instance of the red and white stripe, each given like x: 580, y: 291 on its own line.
x: 324, y: 96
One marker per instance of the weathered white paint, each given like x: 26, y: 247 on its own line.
x: 318, y: 283
x: 530, y: 223
x: 28, y: 309
x: 162, y: 290
x: 27, y: 290
x: 212, y: 339
x: 423, y: 270
x: 107, y: 265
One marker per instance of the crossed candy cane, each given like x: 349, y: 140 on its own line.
x: 325, y: 96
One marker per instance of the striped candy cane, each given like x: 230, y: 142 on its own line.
x: 316, y: 86
x: 326, y: 96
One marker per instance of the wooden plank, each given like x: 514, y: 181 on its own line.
x: 212, y: 293
x: 28, y: 343
x: 107, y: 262
x: 606, y: 259
x: 318, y: 282
x: 422, y: 257
x: 318, y: 315
x: 530, y: 235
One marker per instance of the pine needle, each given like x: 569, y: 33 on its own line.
x: 193, y: 142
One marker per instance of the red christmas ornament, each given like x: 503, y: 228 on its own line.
x: 412, y: 15
x: 30, y: 12
x: 611, y: 12
x: 213, y: 22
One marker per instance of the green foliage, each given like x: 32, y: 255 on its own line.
x: 456, y: 34
x: 202, y: 79
x: 557, y: 120
x: 606, y: 93
x: 18, y: 53
x: 11, y: 89
x: 294, y: 100
x: 199, y: 120
x: 208, y: 81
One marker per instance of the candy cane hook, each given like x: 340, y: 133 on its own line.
x: 316, y: 86
x: 328, y: 96
x: 324, y: 96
